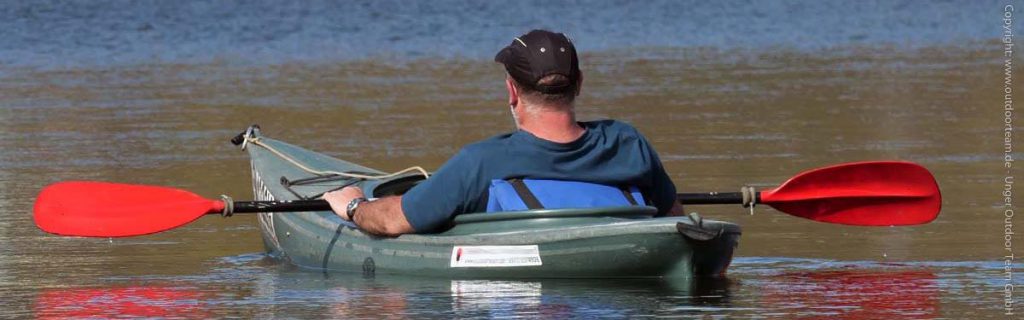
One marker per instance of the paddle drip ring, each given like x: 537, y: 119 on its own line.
x: 749, y: 198
x: 229, y: 206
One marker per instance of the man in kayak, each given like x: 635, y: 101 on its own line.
x: 549, y: 147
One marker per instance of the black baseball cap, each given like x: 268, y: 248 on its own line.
x: 538, y: 54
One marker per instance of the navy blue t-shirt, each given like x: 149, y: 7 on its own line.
x: 609, y: 152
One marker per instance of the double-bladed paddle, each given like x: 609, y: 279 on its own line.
x: 882, y: 193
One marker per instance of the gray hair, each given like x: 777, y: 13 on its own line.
x: 532, y: 96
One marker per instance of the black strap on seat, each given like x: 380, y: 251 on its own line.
x: 524, y: 193
x: 629, y: 196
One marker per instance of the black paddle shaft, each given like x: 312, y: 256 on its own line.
x: 321, y: 205
x: 715, y: 198
x: 281, y: 206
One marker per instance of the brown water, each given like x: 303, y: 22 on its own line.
x: 751, y: 119
x: 721, y: 117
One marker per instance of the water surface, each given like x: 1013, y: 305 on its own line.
x: 730, y: 94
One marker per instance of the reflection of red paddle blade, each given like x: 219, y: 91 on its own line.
x: 126, y: 302
x: 858, y: 294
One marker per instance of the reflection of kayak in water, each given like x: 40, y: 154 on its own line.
x: 562, y: 299
x: 280, y: 291
x: 564, y: 243
x: 344, y: 295
x: 120, y: 302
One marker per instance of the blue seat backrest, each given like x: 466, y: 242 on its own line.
x: 559, y: 194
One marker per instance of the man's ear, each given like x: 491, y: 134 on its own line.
x: 579, y: 84
x: 513, y: 93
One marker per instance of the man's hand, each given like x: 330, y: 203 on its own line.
x: 340, y: 199
x: 382, y: 217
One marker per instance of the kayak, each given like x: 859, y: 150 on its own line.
x: 610, y: 242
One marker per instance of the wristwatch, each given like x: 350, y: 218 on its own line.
x: 351, y: 209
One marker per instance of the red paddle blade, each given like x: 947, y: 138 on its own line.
x: 103, y: 209
x: 881, y: 193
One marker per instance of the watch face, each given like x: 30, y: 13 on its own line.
x: 352, y: 205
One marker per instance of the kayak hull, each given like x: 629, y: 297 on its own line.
x: 573, y: 243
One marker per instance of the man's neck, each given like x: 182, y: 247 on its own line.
x: 555, y: 126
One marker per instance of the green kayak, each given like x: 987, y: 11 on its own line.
x: 562, y: 243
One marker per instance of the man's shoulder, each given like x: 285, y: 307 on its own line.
x: 612, y: 127
x: 486, y: 146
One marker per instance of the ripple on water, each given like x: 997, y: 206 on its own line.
x: 129, y: 91
x: 756, y: 286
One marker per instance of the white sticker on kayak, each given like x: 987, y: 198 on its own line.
x: 495, y: 256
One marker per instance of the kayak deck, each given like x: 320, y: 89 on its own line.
x: 567, y: 243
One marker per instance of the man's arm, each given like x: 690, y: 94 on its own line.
x: 383, y: 217
x: 662, y: 190
x: 677, y: 210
